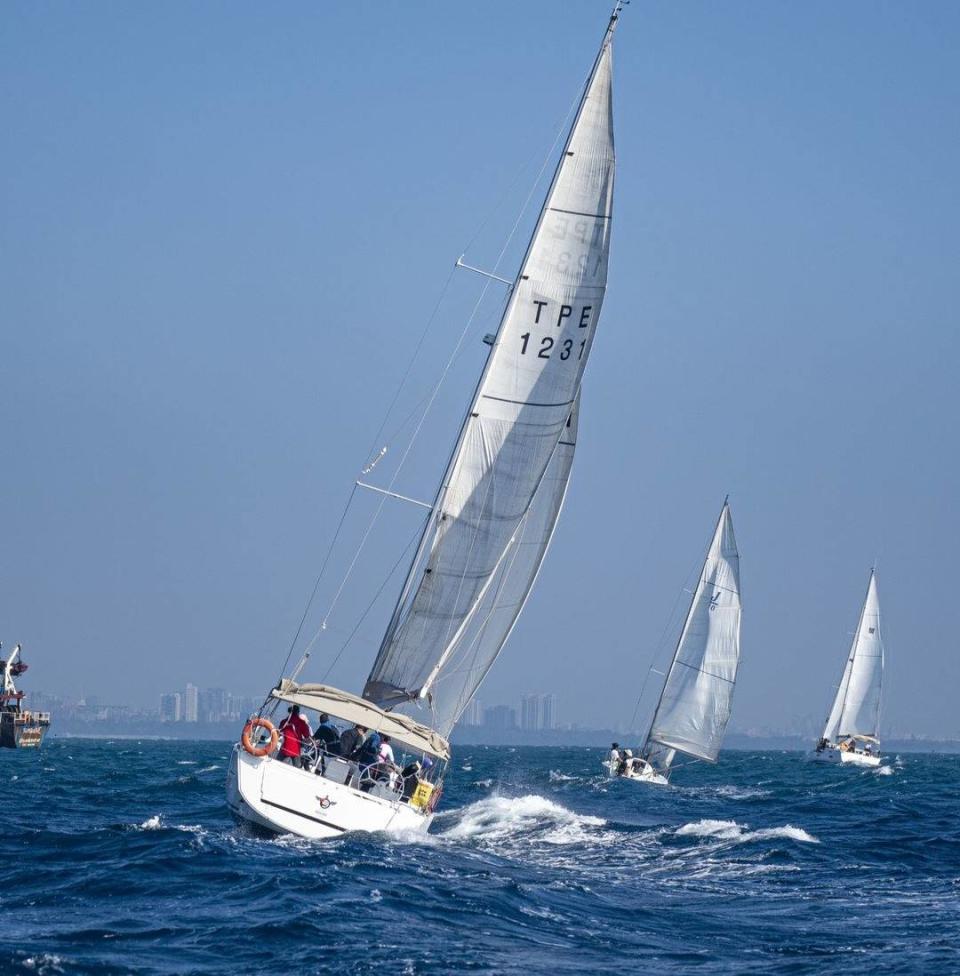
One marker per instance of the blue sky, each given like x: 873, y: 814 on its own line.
x: 225, y: 227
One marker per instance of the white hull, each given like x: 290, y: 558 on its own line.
x: 286, y: 800
x: 840, y: 758
x: 646, y: 775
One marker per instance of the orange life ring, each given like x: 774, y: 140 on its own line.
x: 246, y: 739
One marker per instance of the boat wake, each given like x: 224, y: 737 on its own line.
x: 730, y: 830
x: 522, y: 819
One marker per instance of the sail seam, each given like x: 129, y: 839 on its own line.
x: 526, y: 403
x: 581, y: 213
x: 709, y: 674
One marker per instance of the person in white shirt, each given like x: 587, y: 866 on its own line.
x: 386, y: 751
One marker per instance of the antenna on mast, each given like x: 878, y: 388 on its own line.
x: 615, y: 15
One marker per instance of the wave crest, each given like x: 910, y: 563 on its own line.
x: 730, y: 830
x: 521, y: 818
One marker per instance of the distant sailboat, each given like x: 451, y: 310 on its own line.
x: 486, y: 535
x: 694, y: 706
x: 852, y: 732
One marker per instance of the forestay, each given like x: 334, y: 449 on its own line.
x: 856, y: 708
x: 503, y: 489
x: 694, y: 706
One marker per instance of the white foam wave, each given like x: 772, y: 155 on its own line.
x: 44, y: 963
x: 187, y: 762
x: 196, y: 772
x: 741, y: 792
x: 558, y: 777
x: 524, y: 818
x: 156, y: 823
x: 467, y: 768
x: 884, y: 770
x: 730, y: 830
x: 484, y: 784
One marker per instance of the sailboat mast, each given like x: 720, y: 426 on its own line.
x: 437, y: 506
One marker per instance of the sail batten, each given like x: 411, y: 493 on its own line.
x: 509, y: 470
x: 694, y: 707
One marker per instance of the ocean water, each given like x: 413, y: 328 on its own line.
x: 120, y: 857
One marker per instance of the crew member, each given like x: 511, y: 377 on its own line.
x: 295, y: 730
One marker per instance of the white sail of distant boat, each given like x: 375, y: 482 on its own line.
x: 493, y: 515
x: 852, y: 731
x: 692, y: 712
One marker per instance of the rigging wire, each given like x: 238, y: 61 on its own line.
x: 496, y: 265
x: 667, y: 628
x: 436, y: 389
x: 370, y: 605
x: 373, y: 455
x: 316, y: 585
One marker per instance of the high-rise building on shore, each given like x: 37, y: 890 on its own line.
x: 549, y: 717
x: 500, y: 717
x: 170, y: 707
x: 473, y: 714
x: 538, y: 713
x: 191, y: 704
x: 530, y: 717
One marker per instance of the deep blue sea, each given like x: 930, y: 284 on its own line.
x: 120, y: 857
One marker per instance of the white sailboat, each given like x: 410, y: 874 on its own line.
x: 694, y: 706
x: 852, y: 732
x: 487, y: 533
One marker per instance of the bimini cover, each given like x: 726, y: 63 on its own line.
x: 359, y: 711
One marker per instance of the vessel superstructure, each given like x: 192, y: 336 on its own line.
x: 20, y: 728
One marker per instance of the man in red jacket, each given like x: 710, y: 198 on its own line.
x: 295, y: 729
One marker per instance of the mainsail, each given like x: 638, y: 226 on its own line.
x: 503, y: 489
x: 694, y: 705
x: 856, y: 708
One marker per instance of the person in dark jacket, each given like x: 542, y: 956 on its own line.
x: 326, y: 736
x: 366, y: 756
x: 350, y: 740
x: 368, y: 752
